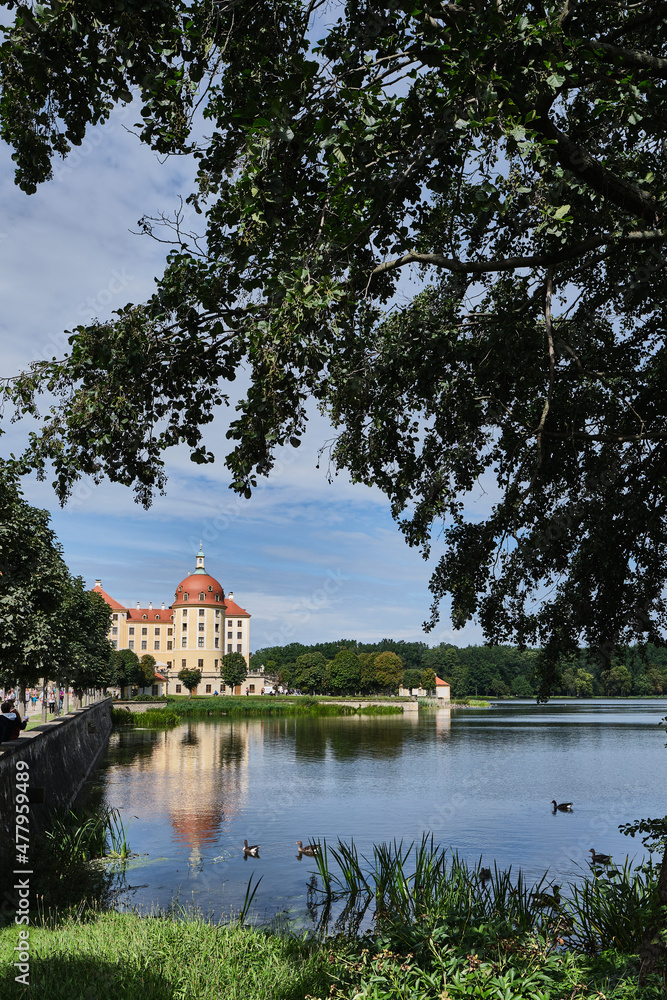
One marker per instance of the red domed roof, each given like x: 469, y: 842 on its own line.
x: 196, y: 584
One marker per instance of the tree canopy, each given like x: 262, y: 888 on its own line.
x: 190, y: 678
x: 233, y: 669
x: 510, y: 157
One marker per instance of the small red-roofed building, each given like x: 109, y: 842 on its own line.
x: 193, y: 633
x: 442, y: 689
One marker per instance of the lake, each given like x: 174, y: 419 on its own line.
x: 481, y: 780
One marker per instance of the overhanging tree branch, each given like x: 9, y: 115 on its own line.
x: 515, y: 263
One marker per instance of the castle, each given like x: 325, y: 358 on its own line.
x: 194, y: 632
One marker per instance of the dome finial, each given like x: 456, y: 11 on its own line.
x: 200, y: 560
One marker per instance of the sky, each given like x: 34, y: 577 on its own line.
x: 308, y: 559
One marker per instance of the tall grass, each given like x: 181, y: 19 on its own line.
x: 78, y: 838
x: 424, y: 895
x: 240, y: 706
x: 613, y: 908
x: 153, y: 718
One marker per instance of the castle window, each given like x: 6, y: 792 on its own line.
x: 131, y: 644
x: 170, y: 631
x: 210, y: 589
x: 229, y: 647
x: 183, y: 664
x: 202, y: 596
x: 239, y: 624
x: 169, y: 644
x: 217, y: 642
x: 131, y: 630
x: 156, y: 644
x: 200, y: 663
x: 239, y: 648
x: 230, y: 635
x: 201, y: 613
x: 217, y: 597
x: 144, y: 617
x: 144, y: 644
x: 239, y: 635
x: 208, y: 689
x: 185, y: 597
x: 114, y: 630
x: 157, y: 630
x: 185, y: 626
x: 157, y: 618
x: 200, y: 642
x: 215, y: 663
x: 115, y: 617
x: 144, y: 631
x: 178, y: 689
x: 202, y: 626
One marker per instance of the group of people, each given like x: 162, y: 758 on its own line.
x: 11, y: 722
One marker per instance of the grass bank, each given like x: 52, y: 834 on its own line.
x: 240, y: 706
x: 127, y: 957
x: 441, y: 931
x: 153, y: 718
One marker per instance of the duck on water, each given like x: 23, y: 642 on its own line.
x: 564, y: 807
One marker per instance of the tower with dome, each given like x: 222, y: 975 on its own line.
x: 194, y: 632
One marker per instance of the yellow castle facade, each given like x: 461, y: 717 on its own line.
x: 194, y: 632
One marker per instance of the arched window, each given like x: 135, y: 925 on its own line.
x: 210, y: 589
x: 144, y: 617
x: 185, y: 596
x: 201, y: 596
x: 217, y: 597
x: 157, y: 618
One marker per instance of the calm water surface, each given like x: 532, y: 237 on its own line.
x: 481, y: 780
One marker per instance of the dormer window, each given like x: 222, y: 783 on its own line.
x: 201, y: 596
x: 185, y: 596
x: 157, y: 618
x: 144, y: 617
x: 180, y: 588
x: 217, y: 597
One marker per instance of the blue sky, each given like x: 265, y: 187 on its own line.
x: 309, y: 560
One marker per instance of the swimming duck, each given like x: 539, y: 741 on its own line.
x: 253, y: 850
x: 564, y: 807
x: 310, y: 850
x: 599, y: 859
x: 485, y: 874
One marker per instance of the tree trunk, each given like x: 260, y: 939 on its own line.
x: 66, y: 700
x: 23, y: 700
x: 44, y: 698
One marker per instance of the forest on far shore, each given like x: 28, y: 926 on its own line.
x: 474, y: 670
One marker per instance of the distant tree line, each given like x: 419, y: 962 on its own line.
x: 346, y: 666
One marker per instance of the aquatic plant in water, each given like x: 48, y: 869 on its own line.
x: 425, y: 896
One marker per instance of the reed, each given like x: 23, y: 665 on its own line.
x: 424, y: 895
x: 240, y: 706
x: 77, y: 838
x: 613, y: 908
x: 152, y: 718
